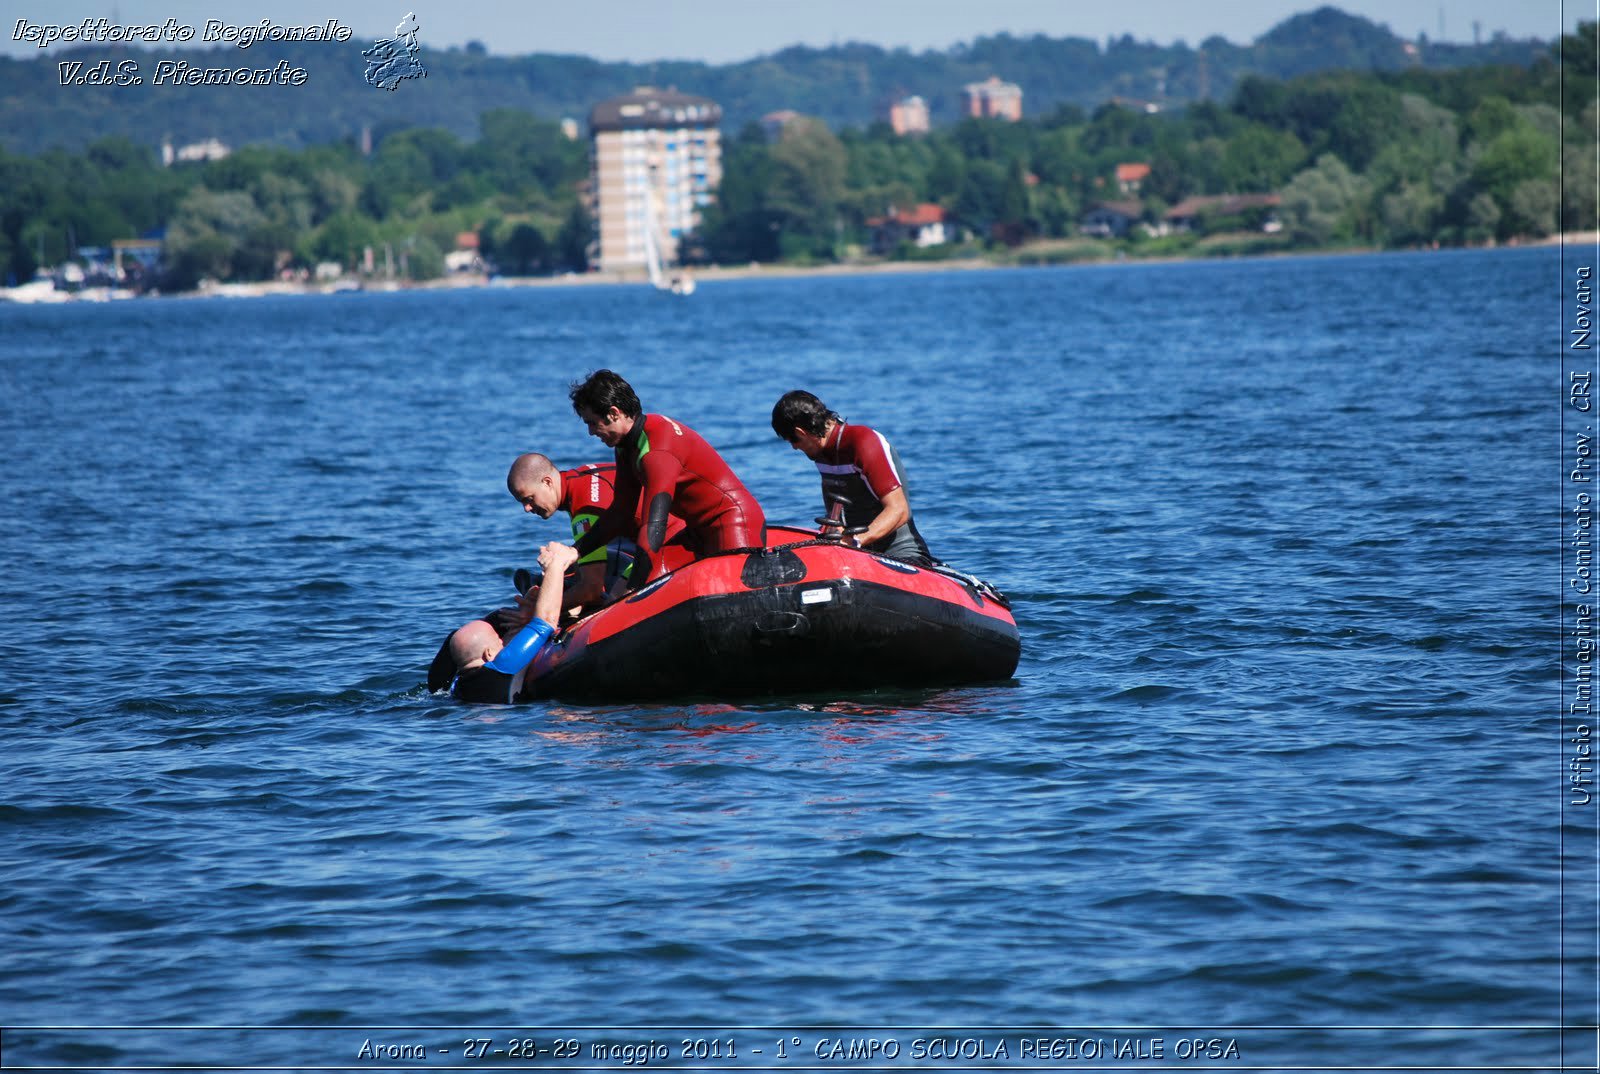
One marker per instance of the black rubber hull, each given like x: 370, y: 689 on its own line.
x: 786, y: 638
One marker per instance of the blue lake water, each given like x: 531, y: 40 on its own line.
x: 1281, y: 541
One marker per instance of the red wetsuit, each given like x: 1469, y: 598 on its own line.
x: 587, y: 492
x: 860, y: 464
x: 664, y: 466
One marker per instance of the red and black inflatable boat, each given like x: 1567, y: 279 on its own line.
x: 802, y: 615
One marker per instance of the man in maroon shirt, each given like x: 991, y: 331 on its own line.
x: 664, y: 469
x: 859, y: 464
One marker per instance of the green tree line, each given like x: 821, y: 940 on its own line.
x: 1391, y: 158
x: 263, y: 209
x: 1386, y: 159
x: 845, y: 85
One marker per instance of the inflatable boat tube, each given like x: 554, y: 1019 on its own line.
x: 803, y: 615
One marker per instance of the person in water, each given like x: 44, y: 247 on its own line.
x: 503, y: 622
x: 664, y: 469
x: 859, y: 464
x: 489, y: 669
x: 584, y: 493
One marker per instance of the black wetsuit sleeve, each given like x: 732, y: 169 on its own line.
x: 505, y: 621
x: 655, y: 527
x: 484, y: 685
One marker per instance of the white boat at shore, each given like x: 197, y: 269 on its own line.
x: 680, y: 282
x: 34, y: 292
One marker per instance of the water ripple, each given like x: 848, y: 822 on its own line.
x: 1278, y: 750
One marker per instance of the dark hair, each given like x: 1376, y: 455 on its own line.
x: 601, y: 391
x: 803, y: 411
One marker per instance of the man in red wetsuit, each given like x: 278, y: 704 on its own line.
x: 584, y: 494
x: 664, y: 468
x: 859, y: 464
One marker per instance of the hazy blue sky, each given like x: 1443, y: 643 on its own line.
x: 722, y: 30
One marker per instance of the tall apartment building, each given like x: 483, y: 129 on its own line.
x: 909, y: 115
x: 992, y: 97
x: 655, y: 163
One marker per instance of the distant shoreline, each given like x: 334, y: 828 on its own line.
x: 971, y: 264
x: 714, y: 273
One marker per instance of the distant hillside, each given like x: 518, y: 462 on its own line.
x: 845, y: 85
